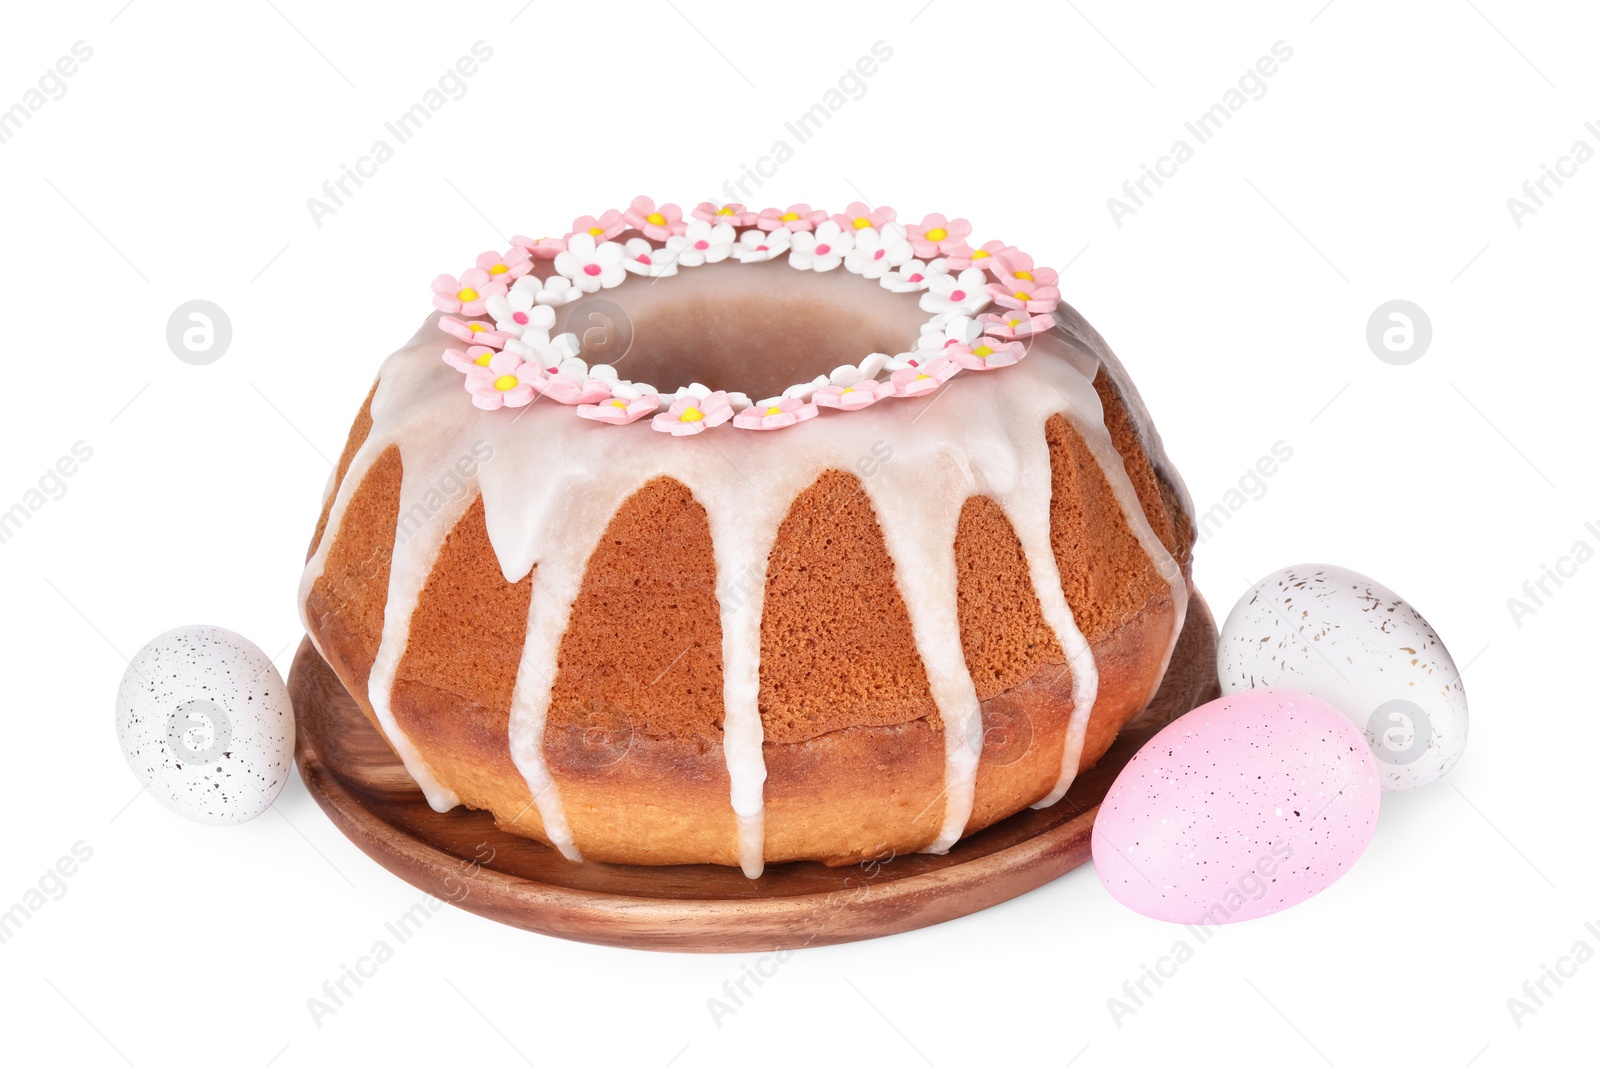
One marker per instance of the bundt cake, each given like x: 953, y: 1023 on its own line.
x: 924, y: 605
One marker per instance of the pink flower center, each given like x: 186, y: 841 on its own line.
x: 593, y: 269
x: 958, y: 294
x: 520, y: 318
x: 644, y: 258
x: 823, y: 250
x: 915, y: 278
x: 702, y: 245
x: 878, y: 254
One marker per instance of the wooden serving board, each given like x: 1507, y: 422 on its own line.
x: 462, y: 858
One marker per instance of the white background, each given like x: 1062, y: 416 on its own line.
x: 1377, y: 166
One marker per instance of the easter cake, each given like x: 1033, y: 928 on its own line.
x: 578, y: 579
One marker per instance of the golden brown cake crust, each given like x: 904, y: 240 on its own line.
x: 854, y: 745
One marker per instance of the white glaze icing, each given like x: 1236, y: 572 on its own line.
x: 554, y: 482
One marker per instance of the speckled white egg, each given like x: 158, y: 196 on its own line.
x: 1361, y: 647
x: 206, y: 724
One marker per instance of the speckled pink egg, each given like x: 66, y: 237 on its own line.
x: 1243, y: 807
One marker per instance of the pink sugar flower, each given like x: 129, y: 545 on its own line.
x: 620, y: 410
x: 690, y: 414
x: 475, y: 332
x: 918, y: 380
x: 982, y: 257
x: 608, y: 225
x: 474, y: 356
x: 506, y: 382
x: 775, y: 414
x: 565, y: 387
x: 862, y: 394
x: 1011, y: 265
x: 1024, y: 295
x: 798, y: 217
x: 1014, y: 324
x: 937, y: 235
x: 656, y: 223
x: 987, y: 356
x: 540, y: 247
x: 466, y: 295
x: 859, y: 216
x: 732, y: 214
x: 507, y: 266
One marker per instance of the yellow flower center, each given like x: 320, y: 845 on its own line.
x: 980, y: 254
x: 938, y: 233
x: 499, y: 268
x: 506, y: 382
x: 692, y: 415
x: 1020, y: 295
x: 1024, y: 275
x: 862, y: 223
x: 467, y: 295
x: 847, y: 389
x: 724, y: 211
x: 476, y: 327
x: 656, y: 218
x: 921, y: 378
x: 774, y: 410
x: 619, y: 404
x: 1013, y: 323
x: 788, y: 216
x: 983, y: 351
x: 595, y: 231
x: 483, y: 360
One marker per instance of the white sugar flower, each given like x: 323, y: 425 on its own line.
x: 705, y: 243
x: 942, y: 331
x: 821, y: 250
x: 591, y: 266
x: 548, y: 354
x: 755, y: 246
x: 908, y: 277
x: 966, y: 292
x: 557, y: 291
x: 516, y: 313
x: 877, y: 252
x: 641, y: 257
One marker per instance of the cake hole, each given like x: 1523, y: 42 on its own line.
x: 755, y: 328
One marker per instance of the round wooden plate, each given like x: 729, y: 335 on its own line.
x: 461, y: 857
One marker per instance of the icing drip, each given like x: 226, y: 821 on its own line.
x: 554, y: 482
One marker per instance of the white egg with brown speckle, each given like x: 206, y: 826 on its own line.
x: 206, y: 724
x: 1339, y: 635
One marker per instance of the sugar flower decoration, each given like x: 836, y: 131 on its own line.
x: 694, y: 413
x: 626, y: 404
x: 473, y: 356
x: 877, y: 252
x: 797, y: 217
x: 823, y: 250
x: 732, y: 214
x: 656, y: 223
x: 965, y: 293
x: 641, y: 257
x: 591, y: 266
x: 465, y: 295
x: 987, y: 354
x: 863, y: 393
x: 703, y: 242
x: 775, y: 414
x: 608, y: 225
x: 557, y: 291
x: 573, y: 383
x: 984, y: 255
x: 755, y: 246
x: 859, y: 216
x: 505, y: 267
x: 540, y: 247
x: 908, y: 277
x: 937, y: 234
x: 473, y: 331
x: 921, y: 380
x: 518, y: 314
x: 506, y: 382
x: 1012, y: 324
